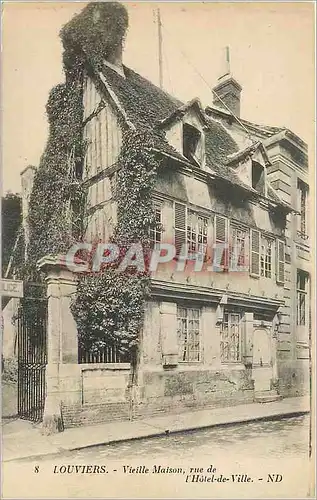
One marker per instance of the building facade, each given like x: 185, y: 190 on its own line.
x: 213, y: 337
x: 219, y: 328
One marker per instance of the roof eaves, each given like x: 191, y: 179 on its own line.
x: 279, y: 201
x: 211, y: 173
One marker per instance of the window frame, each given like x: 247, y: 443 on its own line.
x: 197, y: 144
x: 236, y: 227
x: 280, y: 262
x: 259, y: 184
x: 266, y: 259
x: 180, y: 343
x: 238, y: 345
x: 302, y: 293
x: 190, y: 230
x: 183, y: 233
x: 155, y: 232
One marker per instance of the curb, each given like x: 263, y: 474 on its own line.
x: 162, y: 433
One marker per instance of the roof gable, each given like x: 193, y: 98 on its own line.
x: 255, y: 151
x: 194, y: 106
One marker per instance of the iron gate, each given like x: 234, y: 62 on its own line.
x: 32, y: 358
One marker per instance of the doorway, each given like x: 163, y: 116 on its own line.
x: 262, y: 369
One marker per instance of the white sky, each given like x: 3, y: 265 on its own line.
x: 271, y: 49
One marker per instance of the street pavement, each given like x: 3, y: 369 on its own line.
x: 259, y: 459
x: 23, y: 439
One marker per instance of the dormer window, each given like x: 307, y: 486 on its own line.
x: 258, y: 177
x: 192, y: 143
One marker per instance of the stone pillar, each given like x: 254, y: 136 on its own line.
x: 62, y: 343
x: 247, y: 339
x: 168, y: 312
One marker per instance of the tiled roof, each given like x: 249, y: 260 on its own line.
x: 264, y: 131
x: 146, y: 106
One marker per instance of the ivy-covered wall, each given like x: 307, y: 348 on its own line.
x: 108, y: 306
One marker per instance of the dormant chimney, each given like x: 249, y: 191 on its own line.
x: 227, y: 91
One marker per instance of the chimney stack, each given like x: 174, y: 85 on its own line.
x: 100, y: 30
x: 227, y: 89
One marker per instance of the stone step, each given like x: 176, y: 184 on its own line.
x: 266, y: 396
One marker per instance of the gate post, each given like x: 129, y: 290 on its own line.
x: 61, y: 335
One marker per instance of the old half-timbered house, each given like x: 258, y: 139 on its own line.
x: 219, y: 329
x: 209, y: 337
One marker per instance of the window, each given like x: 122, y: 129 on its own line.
x: 197, y: 228
x: 230, y: 339
x: 238, y: 256
x: 191, y: 229
x: 302, y: 190
x: 258, y: 177
x: 188, y: 334
x: 156, y: 232
x: 280, y: 261
x: 302, y: 297
x: 261, y: 252
x: 266, y: 257
x: 191, y: 143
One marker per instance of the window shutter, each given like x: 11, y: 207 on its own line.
x: 255, y: 242
x: 221, y: 230
x: 280, y: 261
x: 180, y: 226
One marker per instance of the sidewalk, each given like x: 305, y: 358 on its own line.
x: 22, y: 439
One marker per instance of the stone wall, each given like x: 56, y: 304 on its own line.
x: 181, y: 390
x: 294, y: 378
x: 161, y: 392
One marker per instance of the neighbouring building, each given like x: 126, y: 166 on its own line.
x: 212, y: 338
x: 288, y: 174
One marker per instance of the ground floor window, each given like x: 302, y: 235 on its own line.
x: 189, y: 334
x: 230, y: 340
